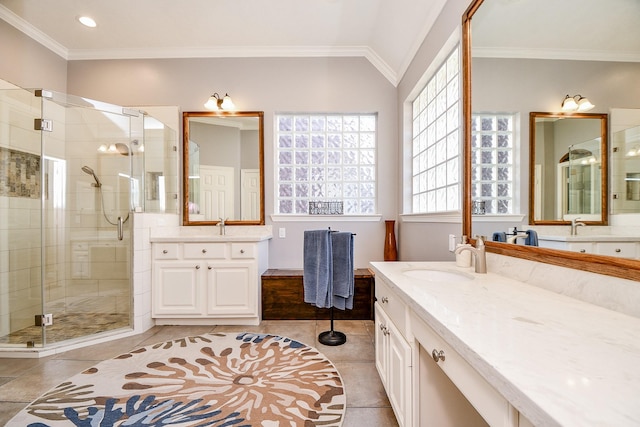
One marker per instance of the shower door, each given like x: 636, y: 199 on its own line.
x: 89, y: 192
x: 20, y: 205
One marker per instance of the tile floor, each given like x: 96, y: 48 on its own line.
x: 23, y: 380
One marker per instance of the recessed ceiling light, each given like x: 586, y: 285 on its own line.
x: 86, y: 21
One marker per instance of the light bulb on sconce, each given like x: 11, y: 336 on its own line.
x: 577, y: 103
x: 216, y: 103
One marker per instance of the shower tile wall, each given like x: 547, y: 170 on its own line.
x: 20, y: 244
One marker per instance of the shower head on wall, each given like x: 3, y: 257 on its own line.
x: 89, y: 171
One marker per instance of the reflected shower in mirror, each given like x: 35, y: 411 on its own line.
x: 223, y: 168
x: 568, y: 169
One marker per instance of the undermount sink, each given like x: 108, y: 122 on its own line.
x: 438, y: 275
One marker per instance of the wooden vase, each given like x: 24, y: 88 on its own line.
x: 390, y: 250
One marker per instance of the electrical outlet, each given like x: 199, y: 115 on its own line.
x: 282, y: 232
x: 452, y: 242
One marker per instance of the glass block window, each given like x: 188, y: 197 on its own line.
x: 326, y: 157
x: 492, y: 162
x: 436, y: 141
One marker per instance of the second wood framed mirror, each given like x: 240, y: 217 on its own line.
x: 223, y: 168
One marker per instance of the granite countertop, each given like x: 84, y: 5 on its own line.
x: 557, y: 360
x: 210, y: 234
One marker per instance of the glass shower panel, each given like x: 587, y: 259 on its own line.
x: 20, y: 206
x: 89, y: 192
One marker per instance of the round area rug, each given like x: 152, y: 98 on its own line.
x: 238, y: 379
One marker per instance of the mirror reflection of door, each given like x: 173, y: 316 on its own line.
x: 250, y: 201
x: 216, y: 192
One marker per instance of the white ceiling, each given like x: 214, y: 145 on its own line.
x: 386, y: 32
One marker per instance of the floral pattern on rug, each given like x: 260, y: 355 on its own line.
x: 214, y: 379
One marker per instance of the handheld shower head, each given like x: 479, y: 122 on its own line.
x: 89, y: 171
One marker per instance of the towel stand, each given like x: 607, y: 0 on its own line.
x: 332, y: 337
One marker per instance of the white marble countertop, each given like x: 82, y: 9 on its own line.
x: 559, y: 361
x: 238, y: 233
x: 590, y: 238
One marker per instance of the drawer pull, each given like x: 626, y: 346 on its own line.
x: 437, y: 355
x: 197, y: 267
x: 204, y: 251
x: 582, y: 251
x: 618, y: 250
x: 384, y: 300
x: 241, y: 251
x: 165, y: 251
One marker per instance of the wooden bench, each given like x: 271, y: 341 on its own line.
x: 283, y: 297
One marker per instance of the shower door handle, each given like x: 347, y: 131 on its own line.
x: 120, y: 228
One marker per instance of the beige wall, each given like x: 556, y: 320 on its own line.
x: 28, y: 64
x: 271, y: 85
x: 425, y: 241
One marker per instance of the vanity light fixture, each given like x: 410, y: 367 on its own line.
x: 217, y: 103
x: 576, y: 103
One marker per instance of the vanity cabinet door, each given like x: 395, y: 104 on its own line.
x: 393, y: 363
x: 399, y: 371
x: 232, y: 288
x: 177, y: 289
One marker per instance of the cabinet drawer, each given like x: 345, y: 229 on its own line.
x: 583, y: 248
x: 490, y: 404
x: 165, y: 250
x: 617, y: 249
x: 392, y: 305
x: 204, y: 250
x: 243, y: 250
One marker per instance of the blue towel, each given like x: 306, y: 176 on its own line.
x: 532, y: 238
x: 499, y: 236
x: 343, y: 281
x: 318, y: 268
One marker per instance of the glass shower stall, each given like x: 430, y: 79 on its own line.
x: 72, y: 173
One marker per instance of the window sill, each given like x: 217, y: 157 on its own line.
x: 326, y: 218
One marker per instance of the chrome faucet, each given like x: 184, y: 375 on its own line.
x: 575, y: 225
x: 479, y: 254
x: 222, y: 226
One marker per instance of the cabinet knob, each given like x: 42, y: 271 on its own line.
x: 209, y: 268
x: 618, y: 250
x: 241, y: 251
x: 582, y: 251
x: 384, y: 299
x: 197, y: 267
x: 165, y: 251
x: 204, y: 251
x: 437, y: 355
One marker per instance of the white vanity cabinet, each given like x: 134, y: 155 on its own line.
x: 207, y: 282
x: 393, y: 352
x: 450, y: 392
x: 611, y: 246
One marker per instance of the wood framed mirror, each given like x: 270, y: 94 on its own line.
x: 491, y: 44
x: 223, y: 168
x: 568, y: 168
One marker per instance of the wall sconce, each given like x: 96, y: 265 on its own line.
x: 217, y: 103
x: 576, y: 103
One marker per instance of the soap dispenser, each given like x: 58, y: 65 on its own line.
x: 463, y: 258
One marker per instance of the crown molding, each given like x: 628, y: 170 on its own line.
x: 31, y: 31
x: 559, y: 54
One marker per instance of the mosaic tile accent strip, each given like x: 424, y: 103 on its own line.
x: 19, y: 174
